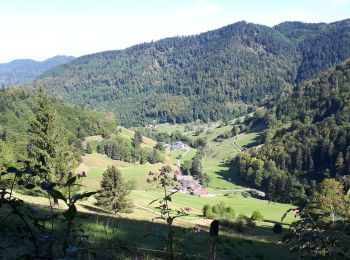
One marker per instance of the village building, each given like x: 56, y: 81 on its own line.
x: 188, y: 184
x: 178, y: 145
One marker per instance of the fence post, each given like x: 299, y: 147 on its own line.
x: 214, y: 233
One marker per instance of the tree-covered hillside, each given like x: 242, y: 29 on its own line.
x: 214, y: 75
x: 308, y: 139
x: 16, y: 111
x: 321, y: 45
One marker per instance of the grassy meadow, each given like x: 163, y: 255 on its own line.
x: 129, y: 229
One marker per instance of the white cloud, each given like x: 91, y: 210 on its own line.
x: 198, y: 7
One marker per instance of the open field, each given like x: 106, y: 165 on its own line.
x: 218, y: 153
x: 130, y: 234
x: 129, y: 229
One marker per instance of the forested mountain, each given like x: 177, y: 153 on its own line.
x: 16, y: 111
x: 214, y: 75
x: 25, y: 70
x: 321, y: 45
x: 308, y: 138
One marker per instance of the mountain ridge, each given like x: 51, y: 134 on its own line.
x: 225, y: 71
x: 21, y: 71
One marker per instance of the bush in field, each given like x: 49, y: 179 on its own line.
x: 88, y: 148
x: 257, y: 216
x: 167, y: 169
x: 208, y: 211
x: 219, y: 211
x: 242, y: 222
x: 229, y: 213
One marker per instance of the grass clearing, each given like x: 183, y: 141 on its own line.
x: 221, y: 180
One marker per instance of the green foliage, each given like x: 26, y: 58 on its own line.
x: 137, y: 141
x: 330, y: 201
x: 88, y: 148
x: 54, y: 235
x: 219, y: 211
x: 120, y: 148
x: 323, y: 225
x: 208, y: 211
x: 167, y: 169
x: 48, y: 148
x: 114, y: 192
x: 16, y: 113
x: 182, y: 79
x: 208, y: 76
x: 7, y: 155
x: 312, y: 143
x: 242, y: 223
x: 167, y: 214
x: 155, y: 156
x: 257, y: 216
x: 159, y: 146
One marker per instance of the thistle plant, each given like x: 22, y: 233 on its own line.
x: 167, y: 214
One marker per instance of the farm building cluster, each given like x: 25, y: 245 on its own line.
x: 178, y: 145
x: 188, y: 184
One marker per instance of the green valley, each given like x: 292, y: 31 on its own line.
x: 229, y: 144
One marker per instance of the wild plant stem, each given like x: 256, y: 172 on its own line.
x: 51, y: 212
x: 15, y: 210
x: 170, y: 238
x: 12, y: 186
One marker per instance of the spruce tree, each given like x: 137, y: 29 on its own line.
x: 114, y: 192
x: 137, y: 139
x: 88, y: 148
x: 48, y: 148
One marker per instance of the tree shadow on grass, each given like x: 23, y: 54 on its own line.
x: 256, y: 141
x: 95, y: 209
x: 230, y: 174
x: 116, y: 237
x: 141, y: 234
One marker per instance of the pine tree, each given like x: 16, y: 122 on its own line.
x: 88, y: 148
x: 48, y: 148
x: 114, y: 192
x: 100, y: 149
x: 137, y: 139
x: 7, y: 155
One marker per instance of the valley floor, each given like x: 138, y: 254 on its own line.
x: 132, y: 229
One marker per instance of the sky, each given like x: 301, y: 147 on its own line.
x: 39, y: 29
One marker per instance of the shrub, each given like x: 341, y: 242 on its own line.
x: 277, y: 228
x: 241, y: 223
x: 245, y: 220
x: 216, y: 209
x: 88, y: 148
x: 239, y: 226
x: 167, y: 169
x: 229, y: 213
x: 219, y: 211
x: 245, y: 194
x: 207, y: 211
x: 257, y: 216
x: 242, y: 217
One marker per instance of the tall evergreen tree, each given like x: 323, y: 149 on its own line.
x: 114, y: 194
x: 7, y: 155
x: 137, y: 139
x: 88, y: 148
x: 48, y: 148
